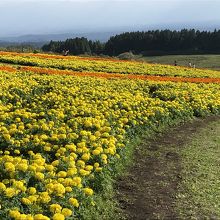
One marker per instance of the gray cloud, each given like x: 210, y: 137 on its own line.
x: 51, y: 16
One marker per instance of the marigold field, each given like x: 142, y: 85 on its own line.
x: 61, y: 133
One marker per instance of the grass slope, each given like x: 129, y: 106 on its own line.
x: 201, y: 61
x: 200, y: 191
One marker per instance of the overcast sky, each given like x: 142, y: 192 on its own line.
x: 20, y: 17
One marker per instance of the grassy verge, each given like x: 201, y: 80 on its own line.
x: 199, y: 196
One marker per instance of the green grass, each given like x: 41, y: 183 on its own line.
x: 199, y: 196
x: 201, y: 61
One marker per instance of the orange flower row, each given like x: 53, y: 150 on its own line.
x: 40, y: 70
x: 8, y: 68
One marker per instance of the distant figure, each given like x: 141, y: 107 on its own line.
x: 190, y: 64
x: 175, y: 63
x: 194, y: 65
x: 65, y: 52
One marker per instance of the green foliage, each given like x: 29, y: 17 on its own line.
x: 75, y: 46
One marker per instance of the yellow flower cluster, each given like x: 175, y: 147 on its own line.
x: 59, y: 134
x: 98, y: 65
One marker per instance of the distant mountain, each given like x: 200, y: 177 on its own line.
x: 4, y: 44
x: 101, y: 36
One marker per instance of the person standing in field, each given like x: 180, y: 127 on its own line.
x: 190, y: 64
x: 175, y: 63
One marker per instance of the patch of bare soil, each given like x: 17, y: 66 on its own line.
x: 149, y: 188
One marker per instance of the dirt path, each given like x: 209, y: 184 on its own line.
x: 149, y: 188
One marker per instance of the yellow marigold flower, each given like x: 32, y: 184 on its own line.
x: 17, y: 151
x: 77, y: 180
x: 89, y: 167
x: 17, y: 120
x: 39, y: 176
x: 55, y: 208
x: 29, y: 217
x: 20, y: 127
x: 88, y: 191
x: 62, y: 174
x: 26, y: 201
x: 68, y: 189
x: 30, y: 152
x: 96, y: 152
x: 5, y: 181
x: 83, y: 133
x: 32, y: 190
x: 41, y: 217
x: 58, y: 216
x: 97, y: 134
x: 86, y: 156
x: 88, y: 123
x: 57, y: 154
x: 81, y: 144
x: 118, y: 156
x: 33, y: 198
x: 14, y: 214
x: 43, y: 137
x: 18, y: 184
x: 44, y: 197
x: 49, y: 167
x: 105, y: 161
x: 79, y: 150
x: 85, y: 150
x: 74, y: 202
x: 84, y: 172
x: 71, y: 171
x: 62, y: 136
x: 80, y: 163
x: 66, y: 212
x: 59, y: 188
x: 7, y: 152
x: 92, y: 137
x: 32, y: 168
x: 10, y: 192
x: 47, y: 148
x: 98, y: 169
x: 7, y: 137
x: 104, y: 156
x: 73, y: 156
x: 55, y: 163
x: 22, y: 166
x: 9, y: 167
x: 96, y: 165
x: 2, y: 186
x: 71, y: 147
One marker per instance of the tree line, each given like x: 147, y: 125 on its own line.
x: 75, y: 46
x: 147, y: 43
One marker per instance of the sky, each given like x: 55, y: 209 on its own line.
x: 20, y: 17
